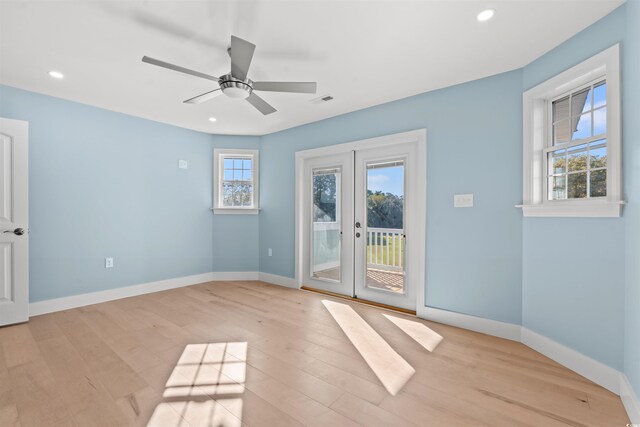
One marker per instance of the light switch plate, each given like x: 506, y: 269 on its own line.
x: 182, y: 164
x: 463, y: 200
x: 108, y: 262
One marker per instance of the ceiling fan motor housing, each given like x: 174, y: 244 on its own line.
x: 235, y: 88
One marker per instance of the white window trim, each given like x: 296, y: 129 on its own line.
x: 536, y: 104
x: 218, y: 169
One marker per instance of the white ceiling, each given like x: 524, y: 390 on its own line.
x: 361, y: 52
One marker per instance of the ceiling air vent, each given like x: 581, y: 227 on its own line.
x: 321, y: 99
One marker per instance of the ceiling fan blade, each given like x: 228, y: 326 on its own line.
x: 204, y: 97
x: 260, y: 104
x: 241, y: 55
x: 178, y: 68
x: 295, y: 87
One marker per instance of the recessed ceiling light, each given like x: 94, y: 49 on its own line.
x: 485, y: 15
x: 213, y: 119
x: 56, y: 74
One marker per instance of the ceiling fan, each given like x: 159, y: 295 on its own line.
x: 236, y: 84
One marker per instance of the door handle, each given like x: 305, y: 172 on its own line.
x: 358, y: 225
x: 17, y: 231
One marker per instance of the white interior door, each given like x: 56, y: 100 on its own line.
x: 328, y: 210
x: 385, y: 216
x: 14, y: 226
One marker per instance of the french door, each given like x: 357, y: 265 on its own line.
x: 357, y: 220
x: 383, y: 203
x: 328, y: 209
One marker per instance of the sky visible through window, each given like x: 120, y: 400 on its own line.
x: 386, y: 180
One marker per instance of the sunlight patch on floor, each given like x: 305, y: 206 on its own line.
x: 205, y: 387
x: 206, y: 370
x: 390, y: 368
x: 420, y: 332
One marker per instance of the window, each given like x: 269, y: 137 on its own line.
x: 235, y: 181
x: 577, y: 152
x: 572, y: 141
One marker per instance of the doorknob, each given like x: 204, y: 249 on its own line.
x: 17, y: 231
x: 357, y: 225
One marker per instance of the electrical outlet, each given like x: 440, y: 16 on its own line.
x: 270, y: 252
x: 182, y: 164
x: 108, y: 263
x: 463, y: 200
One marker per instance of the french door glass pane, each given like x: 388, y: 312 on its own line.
x: 385, y: 227
x: 326, y: 235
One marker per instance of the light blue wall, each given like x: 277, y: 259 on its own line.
x: 631, y: 138
x: 235, y: 237
x: 573, y: 269
x: 473, y: 255
x: 107, y: 184
x: 573, y: 284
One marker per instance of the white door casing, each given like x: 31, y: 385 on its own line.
x: 14, y: 222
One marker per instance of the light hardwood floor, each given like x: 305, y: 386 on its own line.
x: 112, y: 363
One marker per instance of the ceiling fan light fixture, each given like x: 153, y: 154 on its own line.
x: 234, y: 88
x: 486, y: 15
x: 236, y: 92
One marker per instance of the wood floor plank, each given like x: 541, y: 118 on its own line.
x: 286, y: 362
x: 9, y: 416
x: 302, y: 381
x: 366, y: 413
x: 301, y: 407
x: 137, y: 407
x: 18, y: 345
x: 38, y: 397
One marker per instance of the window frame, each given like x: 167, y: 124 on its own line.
x: 219, y: 156
x: 537, y: 139
x: 550, y: 148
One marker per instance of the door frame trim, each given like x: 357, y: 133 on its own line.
x: 419, y: 176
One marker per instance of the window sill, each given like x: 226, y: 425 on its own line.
x: 235, y: 211
x: 581, y: 209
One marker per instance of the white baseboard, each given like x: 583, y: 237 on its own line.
x: 223, y: 276
x: 473, y: 323
x: 65, y: 303
x: 629, y: 400
x: 601, y: 374
x: 589, y: 368
x: 278, y: 280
